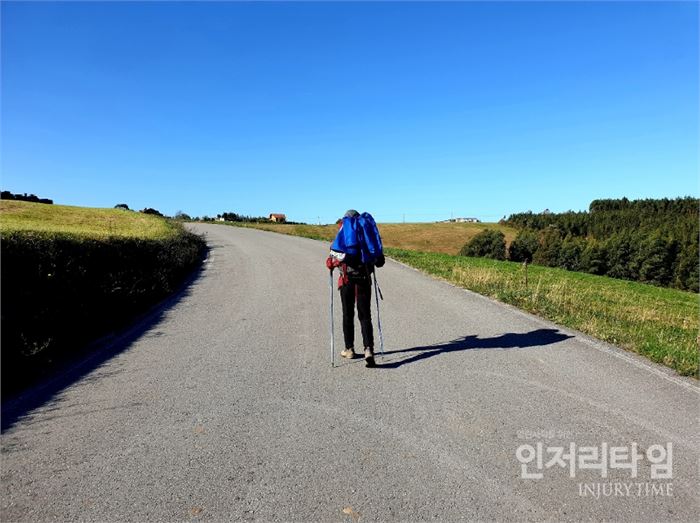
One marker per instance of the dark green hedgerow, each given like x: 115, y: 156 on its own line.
x: 60, y: 291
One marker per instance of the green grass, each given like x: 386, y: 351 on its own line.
x: 16, y: 216
x: 659, y: 323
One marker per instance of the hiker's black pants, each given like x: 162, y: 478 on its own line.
x: 360, y: 293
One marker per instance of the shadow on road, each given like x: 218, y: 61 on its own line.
x: 91, y: 358
x: 536, y: 338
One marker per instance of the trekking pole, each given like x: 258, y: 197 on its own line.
x: 377, y: 292
x: 331, y: 318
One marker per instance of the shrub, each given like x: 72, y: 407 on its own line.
x: 549, y: 247
x: 570, y: 253
x: 524, y: 246
x: 622, y: 259
x: 486, y: 244
x: 594, y: 258
x: 687, y: 274
x: 655, y: 259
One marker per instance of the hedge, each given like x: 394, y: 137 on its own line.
x: 61, y: 291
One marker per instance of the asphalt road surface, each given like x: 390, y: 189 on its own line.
x: 224, y: 406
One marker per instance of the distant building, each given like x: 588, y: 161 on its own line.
x: 465, y: 220
x: 220, y: 219
x: 280, y: 218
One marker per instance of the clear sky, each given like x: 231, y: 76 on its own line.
x: 419, y: 109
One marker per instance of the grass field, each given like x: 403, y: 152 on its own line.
x: 659, y: 323
x: 447, y: 238
x: 82, y: 221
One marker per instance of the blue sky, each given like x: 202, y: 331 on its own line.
x: 422, y: 110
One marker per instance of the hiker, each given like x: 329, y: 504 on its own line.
x: 356, y: 251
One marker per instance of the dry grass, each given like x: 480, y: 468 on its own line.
x: 446, y: 238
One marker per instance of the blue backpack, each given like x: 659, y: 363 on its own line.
x: 359, y: 236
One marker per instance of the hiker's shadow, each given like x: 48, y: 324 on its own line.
x: 536, y: 338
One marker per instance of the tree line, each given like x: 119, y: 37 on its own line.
x: 241, y: 218
x: 226, y: 216
x: 235, y: 217
x: 7, y: 195
x: 653, y: 241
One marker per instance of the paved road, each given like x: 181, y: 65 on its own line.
x: 225, y: 407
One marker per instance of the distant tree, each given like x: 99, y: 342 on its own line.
x: 594, y: 258
x: 235, y: 217
x: 33, y: 198
x: 570, y: 253
x: 687, y: 274
x: 206, y: 218
x: 150, y: 210
x: 655, y: 260
x: 232, y: 217
x: 179, y: 215
x: 524, y: 246
x: 549, y: 247
x: 622, y: 257
x: 122, y: 206
x: 486, y: 244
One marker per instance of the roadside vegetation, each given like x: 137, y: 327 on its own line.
x: 659, y: 323
x: 72, y: 274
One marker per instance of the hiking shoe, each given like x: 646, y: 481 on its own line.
x: 369, y: 357
x: 348, y: 353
